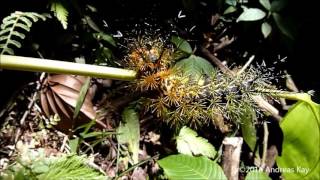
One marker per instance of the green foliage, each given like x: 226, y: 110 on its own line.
x: 231, y: 2
x: 71, y: 167
x: 229, y: 10
x: 129, y: 132
x: 82, y: 95
x: 272, y: 10
x: 181, y: 44
x: 188, y: 142
x: 278, y: 5
x: 300, y: 153
x: 188, y: 167
x: 13, y: 28
x: 257, y: 175
x: 266, y: 4
x: 60, y: 12
x: 251, y: 14
x: 106, y: 37
x: 248, y: 128
x: 195, y: 67
x: 283, y: 25
x: 35, y: 164
x: 266, y: 29
x: 75, y: 143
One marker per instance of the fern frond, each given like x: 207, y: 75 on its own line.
x: 60, y: 12
x: 11, y: 27
x: 71, y: 167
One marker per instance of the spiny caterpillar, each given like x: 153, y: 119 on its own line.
x: 190, y: 91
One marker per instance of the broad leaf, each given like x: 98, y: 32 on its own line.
x: 188, y: 167
x: 181, y: 44
x: 195, y: 67
x: 251, y: 14
x: 301, y: 144
x: 231, y: 2
x: 278, y: 5
x: 284, y: 25
x: 257, y: 175
x: 106, y: 37
x: 129, y: 132
x: 248, y: 128
x: 266, y: 4
x: 188, y: 142
x: 230, y: 9
x: 266, y: 29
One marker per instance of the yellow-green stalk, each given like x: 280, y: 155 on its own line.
x: 62, y: 67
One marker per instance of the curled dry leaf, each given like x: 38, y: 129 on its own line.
x: 59, y: 95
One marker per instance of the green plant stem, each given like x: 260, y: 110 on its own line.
x: 62, y: 67
x: 138, y: 164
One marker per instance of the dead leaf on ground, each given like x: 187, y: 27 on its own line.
x: 59, y: 95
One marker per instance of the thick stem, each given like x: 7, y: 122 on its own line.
x: 231, y: 157
x: 61, y: 67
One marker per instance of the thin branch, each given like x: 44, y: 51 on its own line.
x: 62, y: 67
x: 265, y: 144
x: 217, y: 62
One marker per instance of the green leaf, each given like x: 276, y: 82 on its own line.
x: 129, y: 132
x: 195, y: 67
x: 230, y: 10
x: 300, y: 149
x: 251, y: 14
x: 60, y: 12
x: 266, y: 4
x: 284, y: 25
x: 109, y: 39
x: 188, y: 167
x: 74, y: 144
x: 71, y: 167
x: 278, y: 5
x: 248, y: 128
x: 81, y: 98
x: 188, y: 142
x: 92, y: 24
x: 266, y: 29
x: 257, y: 175
x: 231, y: 2
x: 97, y: 134
x: 181, y: 44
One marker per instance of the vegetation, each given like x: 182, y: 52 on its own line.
x: 150, y: 97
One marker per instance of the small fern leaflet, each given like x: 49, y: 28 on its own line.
x: 60, y: 12
x: 11, y: 27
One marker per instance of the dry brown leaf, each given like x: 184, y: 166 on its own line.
x: 59, y: 95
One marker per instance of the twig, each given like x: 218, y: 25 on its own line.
x: 32, y: 100
x: 265, y: 144
x: 64, y: 142
x: 225, y: 41
x: 246, y: 65
x: 231, y: 157
x: 217, y: 62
